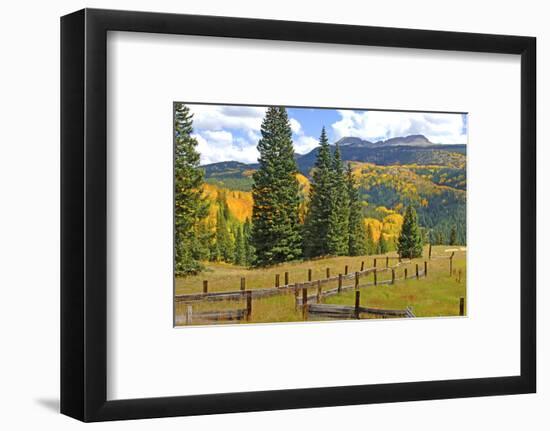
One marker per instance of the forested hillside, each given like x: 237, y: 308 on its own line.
x: 432, y: 178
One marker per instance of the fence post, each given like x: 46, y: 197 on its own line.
x: 309, y: 275
x: 357, y: 302
x: 356, y: 280
x: 205, y: 286
x: 304, y: 303
x: 461, y: 307
x: 417, y: 271
x: 346, y: 270
x: 296, y: 296
x: 339, y: 283
x: 430, y: 252
x: 248, y: 304
x: 374, y: 262
x: 451, y: 264
x: 405, y: 273
x: 328, y: 272
x: 286, y: 278
x: 375, y: 277
x: 459, y: 275
x: 243, y: 284
x: 387, y: 261
x: 362, y: 265
x: 425, y: 269
x: 277, y: 280
x: 392, y: 276
x: 319, y: 291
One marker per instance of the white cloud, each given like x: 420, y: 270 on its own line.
x: 214, y: 117
x: 304, y: 144
x: 221, y: 146
x: 381, y: 125
x: 295, y: 125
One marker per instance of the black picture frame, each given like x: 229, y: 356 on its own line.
x: 84, y: 214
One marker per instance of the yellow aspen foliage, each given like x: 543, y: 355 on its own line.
x: 238, y: 202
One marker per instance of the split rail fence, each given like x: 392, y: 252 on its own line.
x: 304, y: 297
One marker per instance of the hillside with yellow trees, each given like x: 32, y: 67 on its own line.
x: 437, y: 191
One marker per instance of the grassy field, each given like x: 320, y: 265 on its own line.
x: 438, y: 294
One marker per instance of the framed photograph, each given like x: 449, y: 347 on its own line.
x: 262, y: 215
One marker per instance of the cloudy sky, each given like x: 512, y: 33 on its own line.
x: 227, y: 133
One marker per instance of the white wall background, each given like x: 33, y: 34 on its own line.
x: 29, y: 220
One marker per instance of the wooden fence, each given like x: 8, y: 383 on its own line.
x: 308, y: 294
x: 318, y: 293
x: 352, y: 312
x: 236, y: 295
x: 190, y: 316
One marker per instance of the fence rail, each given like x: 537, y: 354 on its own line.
x: 236, y: 295
x: 309, y: 294
x: 352, y: 312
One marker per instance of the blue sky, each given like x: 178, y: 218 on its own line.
x: 227, y: 133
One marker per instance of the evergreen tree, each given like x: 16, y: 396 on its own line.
x: 357, y: 238
x: 371, y: 245
x: 215, y: 255
x: 320, y: 194
x: 338, y: 221
x: 439, y: 238
x: 452, y: 236
x: 409, y: 243
x: 276, y: 233
x: 203, y: 241
x: 382, y: 244
x: 248, y: 247
x: 189, y: 205
x: 224, y: 240
x: 240, y: 252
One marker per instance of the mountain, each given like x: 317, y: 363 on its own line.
x: 392, y: 174
x: 407, y: 150
x: 411, y: 140
x: 399, y: 151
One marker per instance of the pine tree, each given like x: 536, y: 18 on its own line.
x: 371, y: 245
x: 320, y: 193
x: 452, y: 236
x: 249, y: 255
x: 409, y: 243
x: 189, y: 205
x: 203, y: 241
x: 357, y: 238
x: 382, y: 244
x: 240, y: 252
x: 224, y: 240
x: 276, y: 233
x: 338, y: 221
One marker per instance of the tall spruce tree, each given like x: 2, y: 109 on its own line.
x: 409, y: 244
x: 370, y: 243
x: 382, y: 244
x: 338, y: 220
x: 249, y: 255
x: 320, y: 194
x: 224, y: 240
x: 240, y: 251
x: 276, y: 233
x: 189, y: 205
x: 357, y: 238
x: 452, y: 236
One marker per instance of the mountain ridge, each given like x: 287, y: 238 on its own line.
x: 417, y: 140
